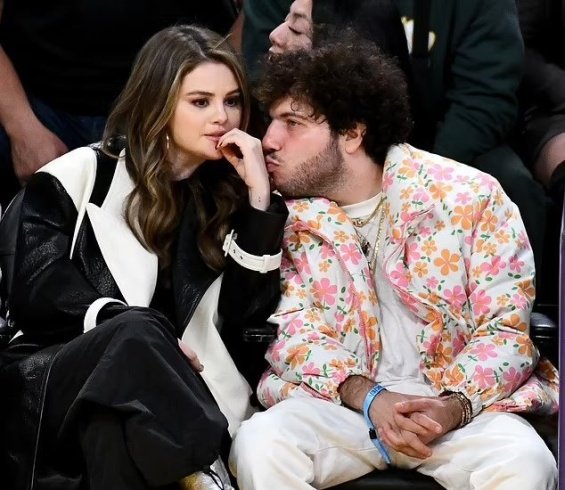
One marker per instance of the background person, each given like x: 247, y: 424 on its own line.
x: 64, y: 64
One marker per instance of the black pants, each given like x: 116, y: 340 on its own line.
x: 124, y: 408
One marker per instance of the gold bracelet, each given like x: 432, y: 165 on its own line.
x: 464, y: 402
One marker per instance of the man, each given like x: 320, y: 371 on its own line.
x: 465, y: 83
x: 407, y: 289
x: 64, y: 63
x: 260, y: 18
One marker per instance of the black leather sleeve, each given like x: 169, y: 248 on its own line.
x: 50, y: 295
x: 248, y: 297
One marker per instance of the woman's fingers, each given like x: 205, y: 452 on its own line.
x: 191, y: 356
x: 245, y: 153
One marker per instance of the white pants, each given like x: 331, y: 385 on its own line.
x: 303, y: 443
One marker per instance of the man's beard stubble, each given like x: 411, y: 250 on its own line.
x: 318, y: 176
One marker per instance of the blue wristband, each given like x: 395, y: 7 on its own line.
x: 373, y: 393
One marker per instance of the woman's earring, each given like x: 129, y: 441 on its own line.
x: 167, y: 139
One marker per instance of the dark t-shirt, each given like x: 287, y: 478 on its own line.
x: 77, y: 54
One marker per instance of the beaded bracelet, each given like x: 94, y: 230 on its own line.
x: 464, y: 402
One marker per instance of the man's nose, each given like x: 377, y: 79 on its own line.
x: 270, y: 141
x: 278, y: 37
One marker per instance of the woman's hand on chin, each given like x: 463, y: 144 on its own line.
x: 245, y: 153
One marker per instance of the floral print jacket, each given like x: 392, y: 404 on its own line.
x: 458, y: 257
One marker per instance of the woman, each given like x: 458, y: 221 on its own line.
x: 117, y: 254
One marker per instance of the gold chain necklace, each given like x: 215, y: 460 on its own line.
x: 361, y: 222
x: 375, y: 253
x: 365, y: 244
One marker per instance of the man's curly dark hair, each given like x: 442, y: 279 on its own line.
x: 346, y: 81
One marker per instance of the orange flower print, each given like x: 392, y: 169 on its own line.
x: 409, y: 168
x: 341, y: 236
x: 429, y: 247
x: 525, y: 346
x: 489, y: 249
x: 405, y: 194
x: 489, y: 221
x: 454, y: 376
x: 502, y: 237
x: 527, y: 288
x: 421, y: 269
x: 312, y: 316
x: 440, y: 225
x: 515, y: 321
x: 439, y: 190
x: 324, y: 266
x: 297, y: 355
x: 502, y: 300
x: 463, y: 216
x: 339, y: 214
x: 448, y: 262
x: 300, y: 205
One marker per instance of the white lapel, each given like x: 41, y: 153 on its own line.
x: 228, y: 386
x: 132, y: 266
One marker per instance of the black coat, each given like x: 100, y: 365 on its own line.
x: 52, y: 292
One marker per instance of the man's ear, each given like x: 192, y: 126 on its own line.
x: 353, y: 138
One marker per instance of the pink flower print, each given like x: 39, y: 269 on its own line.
x: 494, y: 267
x: 350, y: 253
x: 484, y: 377
x: 459, y: 343
x: 462, y: 179
x: 523, y: 240
x: 275, y: 351
x: 484, y: 351
x: 519, y: 301
x: 456, y: 296
x: 513, y: 378
x: 439, y: 172
x: 311, y: 369
x: 387, y: 181
x: 302, y: 265
x: 432, y: 283
x: 324, y: 291
x: 432, y: 346
x: 294, y: 326
x: 425, y: 231
x: 293, y: 277
x: 405, y: 216
x: 420, y: 196
x: 463, y: 198
x: 399, y: 276
x: 327, y: 250
x: 412, y: 253
x: 516, y: 264
x: 480, y: 302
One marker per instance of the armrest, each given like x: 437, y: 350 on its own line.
x: 545, y: 334
x: 6, y: 333
x: 260, y: 335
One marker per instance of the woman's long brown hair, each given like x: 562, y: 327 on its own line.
x: 139, y: 120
